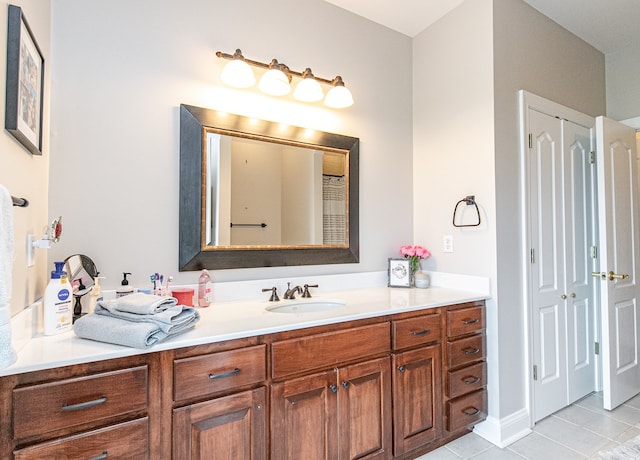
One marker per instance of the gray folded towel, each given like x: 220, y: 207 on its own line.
x: 139, y: 303
x: 166, y: 320
x: 137, y: 334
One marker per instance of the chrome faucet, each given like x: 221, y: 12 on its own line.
x: 290, y: 293
x: 306, y: 292
x: 274, y: 294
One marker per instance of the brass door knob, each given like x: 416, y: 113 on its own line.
x: 563, y: 296
x: 616, y: 276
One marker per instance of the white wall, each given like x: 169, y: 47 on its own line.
x: 623, y: 83
x: 122, y: 67
x: 23, y: 174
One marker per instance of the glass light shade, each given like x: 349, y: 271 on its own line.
x: 308, y: 90
x: 238, y: 74
x: 275, y: 83
x: 338, y: 97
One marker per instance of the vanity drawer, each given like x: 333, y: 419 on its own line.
x: 326, y: 350
x: 416, y: 331
x: 218, y: 372
x: 125, y: 440
x: 465, y: 320
x: 466, y: 350
x: 46, y: 407
x: 467, y: 379
x: 467, y: 410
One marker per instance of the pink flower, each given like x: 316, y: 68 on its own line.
x: 422, y: 252
x: 407, y: 251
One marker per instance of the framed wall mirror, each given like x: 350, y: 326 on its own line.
x: 255, y: 193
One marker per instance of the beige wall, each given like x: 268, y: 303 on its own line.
x: 123, y: 67
x: 468, y: 68
x: 623, y: 83
x: 23, y: 174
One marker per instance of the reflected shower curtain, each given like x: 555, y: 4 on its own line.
x: 333, y: 210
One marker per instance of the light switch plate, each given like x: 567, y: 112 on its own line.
x: 448, y: 243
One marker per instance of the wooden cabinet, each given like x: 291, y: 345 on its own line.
x: 466, y: 369
x: 94, y: 410
x: 219, y: 409
x: 338, y: 413
x: 417, y: 401
x: 394, y: 386
x: 228, y: 427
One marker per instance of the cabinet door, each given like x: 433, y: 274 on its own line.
x: 417, y: 410
x: 232, y: 427
x: 303, y: 418
x: 364, y: 406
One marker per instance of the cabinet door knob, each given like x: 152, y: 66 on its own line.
x: 563, y: 296
x: 401, y: 368
x: 345, y: 384
x: 333, y: 388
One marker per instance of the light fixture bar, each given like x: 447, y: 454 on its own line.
x: 338, y: 97
x: 263, y: 65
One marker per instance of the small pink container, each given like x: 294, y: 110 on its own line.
x: 184, y: 296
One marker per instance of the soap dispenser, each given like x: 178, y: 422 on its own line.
x: 124, y: 288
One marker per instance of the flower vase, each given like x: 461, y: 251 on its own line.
x: 421, y: 280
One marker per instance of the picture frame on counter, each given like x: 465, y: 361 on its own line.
x: 25, y: 83
x: 399, y: 273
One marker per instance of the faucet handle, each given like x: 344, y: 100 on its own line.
x: 274, y: 294
x: 306, y: 292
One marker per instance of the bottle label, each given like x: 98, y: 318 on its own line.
x: 63, y: 294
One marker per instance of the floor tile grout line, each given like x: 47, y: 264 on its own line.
x: 560, y: 444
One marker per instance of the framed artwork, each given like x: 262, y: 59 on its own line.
x: 399, y: 273
x: 25, y: 83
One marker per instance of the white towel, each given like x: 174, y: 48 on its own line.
x: 7, y: 354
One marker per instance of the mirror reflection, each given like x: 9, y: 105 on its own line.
x: 82, y: 273
x: 261, y: 192
x: 256, y: 193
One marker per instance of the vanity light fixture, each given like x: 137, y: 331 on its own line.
x: 277, y: 81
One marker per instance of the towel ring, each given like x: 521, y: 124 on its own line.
x: 469, y: 200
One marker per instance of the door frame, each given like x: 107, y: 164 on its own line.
x: 529, y: 101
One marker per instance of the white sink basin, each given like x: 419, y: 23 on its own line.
x: 306, y: 306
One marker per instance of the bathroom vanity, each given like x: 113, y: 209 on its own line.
x: 390, y: 380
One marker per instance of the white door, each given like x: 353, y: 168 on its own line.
x: 620, y: 255
x: 561, y: 233
x: 547, y: 272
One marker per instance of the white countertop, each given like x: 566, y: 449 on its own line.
x: 233, y: 320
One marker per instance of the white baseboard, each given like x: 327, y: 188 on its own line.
x: 503, y: 432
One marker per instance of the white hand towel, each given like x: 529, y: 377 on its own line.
x: 7, y: 353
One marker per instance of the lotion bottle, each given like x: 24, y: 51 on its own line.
x: 204, y: 289
x: 58, y: 308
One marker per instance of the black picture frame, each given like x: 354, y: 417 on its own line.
x: 25, y: 83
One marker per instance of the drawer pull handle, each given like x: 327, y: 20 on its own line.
x: 401, y: 368
x: 104, y: 455
x: 422, y: 332
x: 471, y: 411
x: 470, y: 380
x: 334, y: 388
x: 224, y: 374
x: 470, y: 321
x: 84, y: 405
x: 471, y: 351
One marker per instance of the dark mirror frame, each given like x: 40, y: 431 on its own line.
x: 193, y: 254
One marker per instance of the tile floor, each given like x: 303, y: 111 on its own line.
x: 576, y: 432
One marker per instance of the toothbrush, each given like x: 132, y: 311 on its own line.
x: 169, y: 280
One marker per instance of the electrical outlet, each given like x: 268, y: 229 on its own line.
x: 448, y: 243
x: 31, y: 251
